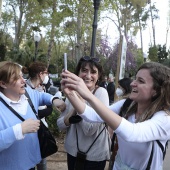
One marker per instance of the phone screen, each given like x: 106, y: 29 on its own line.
x: 65, y: 61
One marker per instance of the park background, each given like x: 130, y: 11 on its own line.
x: 44, y: 30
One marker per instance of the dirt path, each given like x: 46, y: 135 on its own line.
x: 58, y: 160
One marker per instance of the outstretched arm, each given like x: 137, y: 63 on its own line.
x: 72, y: 83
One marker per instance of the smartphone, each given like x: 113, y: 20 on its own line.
x: 65, y: 61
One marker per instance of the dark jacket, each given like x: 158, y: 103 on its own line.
x: 111, y: 92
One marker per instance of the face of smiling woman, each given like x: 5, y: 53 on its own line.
x: 142, y: 87
x: 90, y: 76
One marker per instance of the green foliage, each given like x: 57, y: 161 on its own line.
x: 140, y: 58
x: 20, y: 56
x: 153, y: 54
x: 51, y: 120
x: 162, y: 54
x: 3, y: 51
x: 166, y: 62
x: 52, y: 69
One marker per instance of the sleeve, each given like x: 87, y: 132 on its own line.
x: 18, y: 131
x: 45, y: 112
x: 7, y: 138
x: 39, y: 98
x: 156, y: 128
x: 89, y: 128
x: 116, y: 107
x: 90, y: 114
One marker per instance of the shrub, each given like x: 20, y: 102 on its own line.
x: 51, y: 120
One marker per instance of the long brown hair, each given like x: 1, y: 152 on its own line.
x: 161, y: 84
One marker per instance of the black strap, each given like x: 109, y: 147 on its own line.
x: 150, y: 158
x: 162, y: 148
x: 31, y: 104
x: 95, y: 138
x: 92, y: 142
x: 125, y: 106
x: 113, y: 141
x: 10, y: 108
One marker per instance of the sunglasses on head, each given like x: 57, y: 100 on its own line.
x: 87, y: 58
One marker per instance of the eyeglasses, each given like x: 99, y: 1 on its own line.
x: 87, y: 58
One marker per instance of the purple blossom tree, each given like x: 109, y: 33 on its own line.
x: 112, y: 56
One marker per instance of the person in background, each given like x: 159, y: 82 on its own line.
x: 48, y: 85
x: 111, y: 89
x: 90, y: 138
x: 19, y: 144
x: 144, y: 129
x: 124, y: 89
x: 37, y: 79
x: 104, y: 82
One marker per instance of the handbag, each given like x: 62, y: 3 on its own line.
x: 46, y: 140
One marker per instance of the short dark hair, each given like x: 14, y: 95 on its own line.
x: 35, y: 68
x: 82, y: 63
x: 125, y: 84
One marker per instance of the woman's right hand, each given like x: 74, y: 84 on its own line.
x: 71, y: 82
x: 30, y: 126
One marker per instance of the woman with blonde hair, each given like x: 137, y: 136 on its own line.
x: 19, y: 144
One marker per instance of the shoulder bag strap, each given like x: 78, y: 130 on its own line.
x: 150, y: 158
x: 31, y: 104
x: 162, y: 148
x: 10, y: 108
x: 97, y: 135
x: 92, y: 142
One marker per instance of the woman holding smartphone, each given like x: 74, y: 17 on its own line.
x: 87, y: 144
x: 144, y: 129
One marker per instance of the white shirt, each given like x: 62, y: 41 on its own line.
x: 135, y: 139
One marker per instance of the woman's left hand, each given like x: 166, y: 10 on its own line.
x: 59, y: 104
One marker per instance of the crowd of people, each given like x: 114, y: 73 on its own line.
x: 90, y: 115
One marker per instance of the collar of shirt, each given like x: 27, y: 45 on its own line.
x: 19, y: 106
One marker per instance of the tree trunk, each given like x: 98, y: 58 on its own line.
x: 18, y: 23
x: 141, y: 38
x: 50, y: 46
x: 79, y: 35
x: 0, y: 8
x: 153, y: 27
